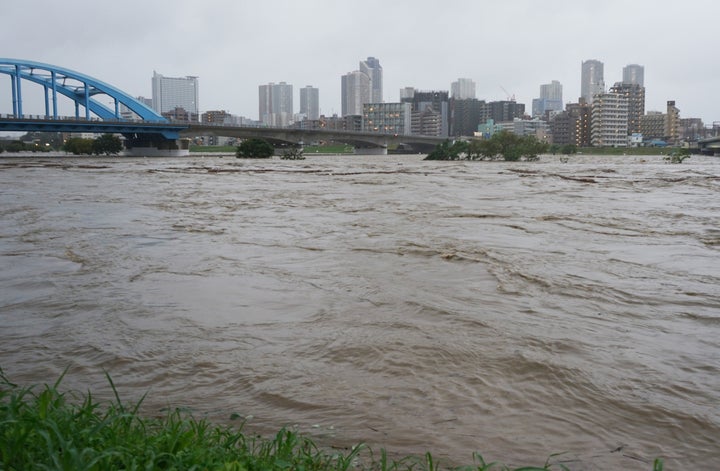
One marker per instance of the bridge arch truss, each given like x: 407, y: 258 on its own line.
x: 82, y: 89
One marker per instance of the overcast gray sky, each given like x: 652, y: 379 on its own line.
x: 236, y: 45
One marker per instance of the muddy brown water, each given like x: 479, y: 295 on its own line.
x: 513, y: 309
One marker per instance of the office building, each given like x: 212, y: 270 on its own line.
x: 172, y: 93
x: 634, y: 74
x: 462, y: 89
x: 372, y: 68
x: 430, y: 113
x: 310, y: 102
x: 466, y: 115
x: 355, y: 92
x: 505, y: 110
x: 276, y: 104
x: 592, y: 80
x: 609, y: 120
x: 387, y: 118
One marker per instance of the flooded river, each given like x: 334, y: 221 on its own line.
x: 513, y: 309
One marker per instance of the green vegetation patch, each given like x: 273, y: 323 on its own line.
x: 48, y: 429
x: 208, y: 149
x: 502, y: 145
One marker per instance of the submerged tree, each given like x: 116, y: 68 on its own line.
x: 677, y: 156
x: 107, y: 144
x: 293, y: 153
x: 78, y: 145
x: 449, y: 151
x: 254, y: 148
x: 501, y: 145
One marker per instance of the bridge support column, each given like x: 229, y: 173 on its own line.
x: 156, y: 146
x: 371, y: 150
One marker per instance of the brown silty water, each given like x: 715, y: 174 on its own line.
x: 513, y: 309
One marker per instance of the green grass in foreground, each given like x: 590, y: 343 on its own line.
x: 51, y: 430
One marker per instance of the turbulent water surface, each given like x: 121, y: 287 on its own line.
x: 514, y: 309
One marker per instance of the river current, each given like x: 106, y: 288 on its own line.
x: 513, y: 309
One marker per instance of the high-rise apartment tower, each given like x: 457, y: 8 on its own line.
x: 276, y: 104
x: 310, y: 102
x: 592, y: 80
x: 355, y: 92
x: 634, y: 74
x: 463, y: 89
x: 372, y: 68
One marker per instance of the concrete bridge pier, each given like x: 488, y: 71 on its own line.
x: 371, y: 150
x: 156, y: 145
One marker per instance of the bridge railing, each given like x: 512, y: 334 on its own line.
x: 40, y: 117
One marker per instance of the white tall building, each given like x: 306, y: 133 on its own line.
x: 372, y: 68
x: 592, y: 81
x: 463, y: 89
x: 310, y: 102
x: 355, y: 92
x: 609, y: 120
x: 634, y: 74
x: 276, y: 104
x: 169, y: 93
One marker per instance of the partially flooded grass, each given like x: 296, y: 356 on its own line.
x: 52, y: 430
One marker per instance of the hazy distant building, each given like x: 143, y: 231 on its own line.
x: 387, y: 118
x: 171, y: 93
x: 310, y: 102
x: 609, y: 120
x: 372, y: 68
x: 355, y: 92
x: 692, y: 129
x: 550, y: 99
x: 592, y: 80
x: 634, y: 74
x: 526, y: 127
x: 276, y: 104
x: 407, y: 93
x: 635, y: 94
x: 127, y: 113
x: 462, y: 89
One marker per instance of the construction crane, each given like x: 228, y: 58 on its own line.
x: 507, y: 93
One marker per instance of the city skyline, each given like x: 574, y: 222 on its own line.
x: 233, y: 47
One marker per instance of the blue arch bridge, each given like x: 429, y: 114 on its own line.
x: 147, y: 132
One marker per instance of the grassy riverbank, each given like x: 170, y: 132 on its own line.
x: 43, y: 428
x: 627, y: 150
